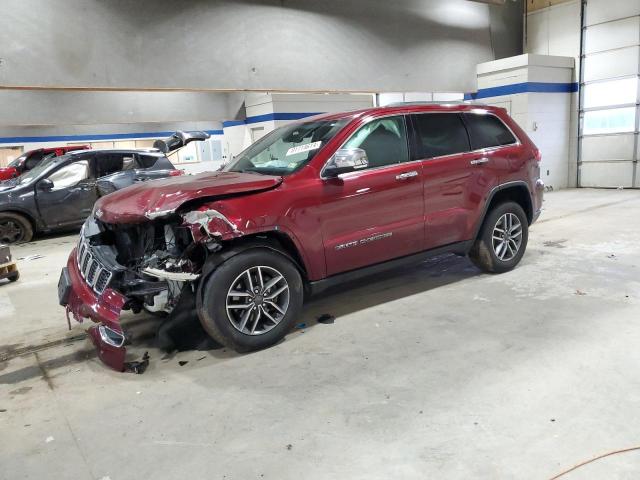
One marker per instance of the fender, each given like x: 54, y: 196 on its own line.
x: 218, y: 258
x: 489, y: 199
x: 36, y: 222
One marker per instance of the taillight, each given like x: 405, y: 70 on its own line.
x: 176, y: 173
x: 537, y: 154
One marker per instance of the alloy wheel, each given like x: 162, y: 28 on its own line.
x: 258, y: 300
x: 10, y: 231
x: 507, y: 237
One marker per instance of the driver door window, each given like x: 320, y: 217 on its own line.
x: 384, y: 140
x: 70, y: 175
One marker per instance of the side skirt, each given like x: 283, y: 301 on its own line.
x: 458, y: 248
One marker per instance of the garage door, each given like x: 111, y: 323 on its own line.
x: 610, y: 96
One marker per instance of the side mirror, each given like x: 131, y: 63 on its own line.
x: 45, y: 185
x: 346, y: 160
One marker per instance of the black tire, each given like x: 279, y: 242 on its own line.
x: 212, y: 310
x: 483, y: 254
x: 14, y: 277
x: 14, y: 228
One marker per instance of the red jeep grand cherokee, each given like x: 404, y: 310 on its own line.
x: 330, y: 198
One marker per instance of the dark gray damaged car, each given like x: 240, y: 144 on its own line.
x: 59, y: 192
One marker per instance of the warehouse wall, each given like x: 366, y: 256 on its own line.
x: 555, y: 30
x: 51, y: 107
x: 355, y: 45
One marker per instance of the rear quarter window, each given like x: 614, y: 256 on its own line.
x: 486, y: 131
x: 147, y: 161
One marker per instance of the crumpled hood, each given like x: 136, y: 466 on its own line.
x: 156, y: 198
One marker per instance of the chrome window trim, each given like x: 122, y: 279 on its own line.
x: 355, y: 173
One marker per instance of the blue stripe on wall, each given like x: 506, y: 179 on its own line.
x: 232, y: 123
x: 525, y: 87
x: 267, y: 117
x: 94, y: 137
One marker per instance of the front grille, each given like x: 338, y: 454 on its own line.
x: 93, y: 272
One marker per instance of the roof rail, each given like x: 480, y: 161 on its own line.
x: 444, y: 102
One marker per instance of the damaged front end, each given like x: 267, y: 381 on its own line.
x: 138, y: 266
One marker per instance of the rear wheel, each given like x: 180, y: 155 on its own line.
x: 14, y: 228
x: 252, y: 300
x: 502, y: 240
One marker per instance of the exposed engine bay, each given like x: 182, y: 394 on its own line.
x: 150, y: 262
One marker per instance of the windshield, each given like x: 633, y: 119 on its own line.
x: 287, y: 148
x: 18, y: 161
x: 35, y: 172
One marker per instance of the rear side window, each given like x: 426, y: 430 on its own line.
x: 439, y: 134
x: 487, y: 131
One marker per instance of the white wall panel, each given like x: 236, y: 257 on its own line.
x: 606, y: 174
x: 610, y: 93
x: 555, y: 30
x: 617, y: 34
x: 448, y: 97
x: 612, y: 53
x: 616, y: 63
x: 387, y: 98
x: 606, y: 10
x: 538, y: 32
x: 418, y: 97
x: 612, y: 120
x: 610, y: 147
x: 564, y: 30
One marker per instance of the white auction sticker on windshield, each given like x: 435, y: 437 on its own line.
x: 304, y: 148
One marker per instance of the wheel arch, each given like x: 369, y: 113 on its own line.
x: 17, y: 211
x: 517, y: 191
x: 272, y: 240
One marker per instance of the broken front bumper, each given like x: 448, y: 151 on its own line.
x: 104, y: 309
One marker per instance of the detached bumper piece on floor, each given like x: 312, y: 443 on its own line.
x: 104, y: 309
x: 8, y: 268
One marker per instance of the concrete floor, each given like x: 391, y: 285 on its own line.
x: 437, y: 371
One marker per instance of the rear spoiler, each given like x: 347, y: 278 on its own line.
x: 179, y: 140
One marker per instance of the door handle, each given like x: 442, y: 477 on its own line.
x: 479, y: 161
x: 406, y: 175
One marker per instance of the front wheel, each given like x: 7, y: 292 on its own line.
x: 14, y: 228
x: 502, y: 240
x: 252, y: 300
